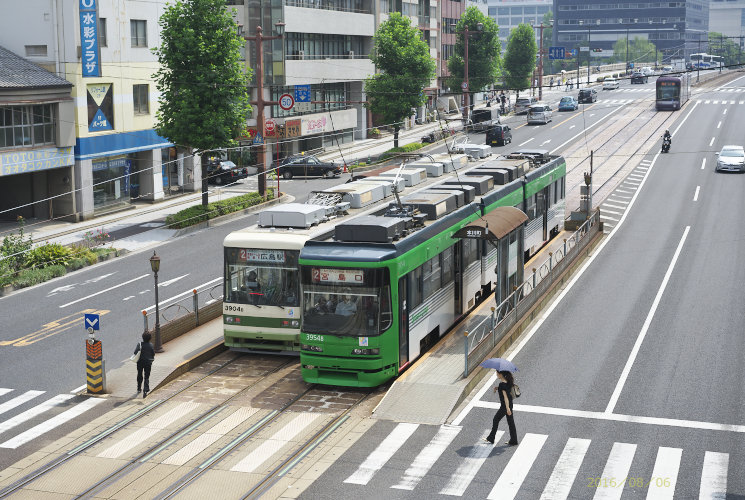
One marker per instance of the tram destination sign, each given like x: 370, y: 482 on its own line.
x: 260, y: 255
x: 339, y: 276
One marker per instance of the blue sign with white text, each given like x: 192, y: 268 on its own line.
x: 89, y: 38
x: 556, y: 53
x: 302, y: 93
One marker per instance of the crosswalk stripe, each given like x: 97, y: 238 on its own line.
x: 664, y: 474
x: 715, y: 102
x: 714, y: 476
x: 517, y: 468
x: 203, y: 441
x: 5, y: 391
x: 19, y: 400
x: 741, y: 102
x: 469, y: 467
x: 427, y: 457
x: 617, y: 207
x: 616, y: 468
x: 380, y: 456
x: 140, y: 435
x: 33, y: 412
x: 268, y: 448
x: 565, y: 470
x: 50, y: 424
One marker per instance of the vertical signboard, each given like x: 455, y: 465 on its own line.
x: 89, y: 39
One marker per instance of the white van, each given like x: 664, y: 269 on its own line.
x: 647, y: 71
x: 523, y: 103
x: 539, y: 113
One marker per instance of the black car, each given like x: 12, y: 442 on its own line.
x: 224, y: 172
x: 306, y: 166
x: 498, y: 135
x: 587, y: 95
x: 639, y: 77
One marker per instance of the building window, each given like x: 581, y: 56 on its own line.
x: 102, y: 32
x: 141, y: 99
x: 27, y: 126
x: 36, y: 50
x: 138, y: 30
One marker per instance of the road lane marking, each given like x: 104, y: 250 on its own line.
x: 524, y: 143
x: 695, y: 196
x: 171, y: 281
x: 5, y: 391
x: 78, y: 389
x: 427, y: 457
x: 613, y: 206
x: 570, y: 128
x: 645, y: 328
x: 545, y: 142
x: 564, y: 121
x: 517, y: 468
x: 380, y: 456
x: 714, y: 476
x: 712, y: 141
x: 616, y: 470
x: 725, y: 109
x: 703, y: 163
x: 104, y: 291
x: 719, y: 124
x: 166, y: 301
x: 565, y: 471
x: 19, y: 400
x: 665, y: 470
x: 128, y: 298
x: 469, y: 467
x: 34, y: 412
x: 558, y: 148
x: 53, y: 328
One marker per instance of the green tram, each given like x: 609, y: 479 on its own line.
x: 372, y: 305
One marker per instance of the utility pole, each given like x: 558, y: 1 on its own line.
x: 465, y: 86
x: 259, y: 38
x: 540, y: 61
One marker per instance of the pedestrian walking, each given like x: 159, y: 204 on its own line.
x: 505, y: 408
x: 551, y: 83
x: 144, y: 363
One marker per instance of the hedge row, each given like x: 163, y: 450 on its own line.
x: 199, y: 213
x: 60, y: 262
x: 407, y: 148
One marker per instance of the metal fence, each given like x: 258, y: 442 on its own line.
x: 182, y: 313
x: 485, y: 331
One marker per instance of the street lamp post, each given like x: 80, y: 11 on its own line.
x: 259, y: 38
x: 465, y: 86
x: 155, y: 266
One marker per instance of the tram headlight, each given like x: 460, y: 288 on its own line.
x: 366, y: 351
x: 313, y: 348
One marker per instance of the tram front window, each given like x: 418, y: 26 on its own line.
x: 334, y: 304
x: 667, y: 91
x: 262, y: 277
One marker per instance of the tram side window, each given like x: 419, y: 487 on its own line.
x: 470, y: 250
x: 431, y: 277
x: 563, y: 187
x: 540, y: 202
x: 530, y: 207
x: 415, y: 288
x: 447, y: 265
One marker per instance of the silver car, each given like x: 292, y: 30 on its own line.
x: 731, y: 159
x: 539, y: 113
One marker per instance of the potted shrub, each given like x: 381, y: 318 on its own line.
x: 374, y: 133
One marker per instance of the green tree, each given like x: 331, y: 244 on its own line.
x: 640, y: 51
x: 202, y: 80
x: 484, y: 51
x: 720, y: 45
x: 402, y: 57
x: 548, y: 32
x: 519, y: 60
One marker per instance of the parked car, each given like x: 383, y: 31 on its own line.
x: 639, y: 77
x: 587, y: 95
x: 568, y: 103
x: 646, y: 70
x: 498, y: 135
x: 523, y: 103
x: 483, y: 119
x: 539, y: 113
x: 224, y: 172
x: 306, y: 166
x: 731, y: 159
x: 610, y: 83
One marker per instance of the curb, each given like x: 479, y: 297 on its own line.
x: 208, y: 353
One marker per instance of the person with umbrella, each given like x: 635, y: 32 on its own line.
x: 504, y: 389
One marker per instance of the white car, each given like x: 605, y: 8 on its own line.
x: 539, y: 113
x: 610, y: 83
x: 731, y: 159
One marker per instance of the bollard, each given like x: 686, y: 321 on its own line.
x: 534, y: 278
x: 144, y: 316
x: 94, y: 367
x: 550, y: 261
x: 565, y: 247
x: 196, y: 307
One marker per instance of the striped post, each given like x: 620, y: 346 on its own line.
x: 94, y: 367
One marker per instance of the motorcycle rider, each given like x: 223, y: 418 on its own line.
x: 667, y: 140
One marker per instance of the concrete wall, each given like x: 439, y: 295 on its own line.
x: 151, y: 175
x: 83, y: 178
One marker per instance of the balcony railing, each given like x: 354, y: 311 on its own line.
x: 325, y: 5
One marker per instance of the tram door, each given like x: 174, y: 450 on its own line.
x: 403, y: 324
x: 542, y: 199
x: 458, y: 277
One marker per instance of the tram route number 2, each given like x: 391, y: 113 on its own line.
x: 338, y: 276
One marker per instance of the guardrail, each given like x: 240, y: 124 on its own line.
x: 489, y: 329
x: 179, y: 316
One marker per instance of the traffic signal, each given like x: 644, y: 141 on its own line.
x: 597, y: 49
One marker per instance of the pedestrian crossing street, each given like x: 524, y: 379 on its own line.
x: 614, y: 206
x: 562, y: 480
x: 43, y: 414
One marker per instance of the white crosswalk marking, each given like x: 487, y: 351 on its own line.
x: 427, y: 457
x: 517, y: 468
x: 382, y: 453
x: 565, y: 470
x: 714, y: 476
x: 616, y: 470
x: 203, y: 441
x: 140, y: 435
x: 50, y: 424
x: 665, y: 474
x: 5, y: 391
x: 617, y: 207
x: 33, y: 412
x: 268, y: 448
x: 19, y: 400
x: 707, y: 102
x: 469, y: 467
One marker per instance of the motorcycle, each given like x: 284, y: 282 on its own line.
x: 666, y: 145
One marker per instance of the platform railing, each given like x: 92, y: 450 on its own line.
x: 485, y: 331
x: 179, y: 316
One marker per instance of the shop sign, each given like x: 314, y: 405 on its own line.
x: 101, y: 107
x: 328, y: 122
x: 291, y: 129
x: 250, y: 134
x: 89, y: 49
x: 21, y: 162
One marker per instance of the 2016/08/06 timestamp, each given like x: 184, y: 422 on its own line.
x: 633, y: 482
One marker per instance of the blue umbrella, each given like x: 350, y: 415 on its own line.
x: 499, y: 364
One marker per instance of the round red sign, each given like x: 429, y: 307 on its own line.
x: 270, y: 126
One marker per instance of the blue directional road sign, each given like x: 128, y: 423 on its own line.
x: 302, y: 93
x: 573, y: 52
x: 556, y: 53
x: 92, y: 321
